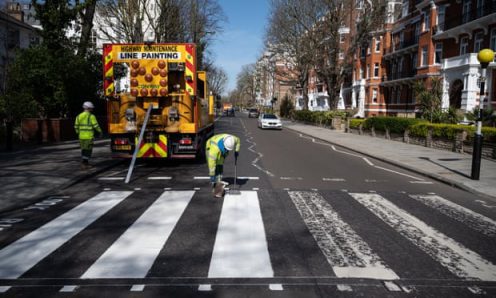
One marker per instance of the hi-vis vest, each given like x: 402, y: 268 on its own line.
x: 85, y: 125
x: 214, y: 155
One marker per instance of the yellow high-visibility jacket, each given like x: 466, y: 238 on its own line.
x: 85, y: 126
x: 214, y: 154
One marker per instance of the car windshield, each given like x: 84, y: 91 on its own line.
x: 269, y: 116
x: 253, y: 110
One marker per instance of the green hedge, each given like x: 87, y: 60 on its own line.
x: 395, y: 124
x: 355, y: 123
x: 317, y: 117
x: 449, y: 131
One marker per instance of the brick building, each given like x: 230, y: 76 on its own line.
x: 424, y: 39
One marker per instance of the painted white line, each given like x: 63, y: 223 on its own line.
x: 399, y: 173
x: 111, y: 178
x: 196, y: 188
x: 334, y: 179
x: 407, y: 289
x: 20, y: 256
x: 137, y: 288
x: 68, y: 289
x: 276, y: 287
x: 4, y: 289
x: 107, y: 189
x: 240, y: 248
x: 167, y: 188
x: 458, y: 259
x: 348, y: 254
x: 133, y: 254
x: 368, y: 161
x: 255, y: 188
x: 291, y: 178
x: 205, y: 288
x: 474, y: 220
x: 344, y: 288
x: 159, y: 178
x: 137, y: 188
x: 201, y: 177
x: 248, y: 178
x: 420, y: 182
x: 391, y: 286
x: 476, y: 290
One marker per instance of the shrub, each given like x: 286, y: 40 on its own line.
x: 394, y: 124
x: 355, y: 123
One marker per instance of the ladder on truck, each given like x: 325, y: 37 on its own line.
x: 136, y: 147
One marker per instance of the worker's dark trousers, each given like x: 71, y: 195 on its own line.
x: 86, y: 150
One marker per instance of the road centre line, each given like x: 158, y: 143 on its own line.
x: 476, y: 221
x: 240, y: 248
x: 111, y: 178
x: 334, y: 179
x: 23, y: 254
x: 347, y: 253
x: 240, y: 177
x: 260, y: 155
x: 133, y: 254
x: 454, y: 256
x: 159, y: 178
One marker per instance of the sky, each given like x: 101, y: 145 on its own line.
x: 241, y: 42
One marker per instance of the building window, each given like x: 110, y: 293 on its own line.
x: 414, y: 61
x: 374, y: 95
x: 417, y: 32
x: 377, y: 45
x: 424, y: 61
x: 361, y: 72
x: 368, y: 72
x: 341, y: 55
x: 479, y: 37
x: 439, y: 52
x: 480, y: 8
x: 464, y: 46
x: 427, y: 21
x: 376, y: 70
x: 404, y: 8
x: 493, y: 39
x: 359, y: 4
x: 398, y: 95
x: 467, y: 6
x: 441, y: 13
x: 400, y: 67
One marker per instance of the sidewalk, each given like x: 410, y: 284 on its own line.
x: 445, y: 166
x: 31, y: 174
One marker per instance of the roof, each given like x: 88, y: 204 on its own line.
x: 7, y: 18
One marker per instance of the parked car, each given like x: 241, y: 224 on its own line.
x: 253, y: 113
x: 269, y: 121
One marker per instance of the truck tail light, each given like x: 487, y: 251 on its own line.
x: 121, y: 141
x: 185, y: 141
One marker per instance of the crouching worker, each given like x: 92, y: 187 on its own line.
x: 217, y: 149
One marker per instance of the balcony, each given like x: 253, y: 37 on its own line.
x: 469, y: 16
x: 397, y: 77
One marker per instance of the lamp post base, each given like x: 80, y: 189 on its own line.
x: 476, y: 157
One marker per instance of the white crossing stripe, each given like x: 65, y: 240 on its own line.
x: 240, y: 248
x: 20, y: 256
x: 347, y: 253
x: 68, y: 289
x: 458, y: 259
x: 4, y: 289
x: 159, y: 178
x: 474, y: 220
x: 137, y: 288
x: 133, y: 254
x: 111, y: 178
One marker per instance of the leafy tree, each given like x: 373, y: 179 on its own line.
x: 286, y: 107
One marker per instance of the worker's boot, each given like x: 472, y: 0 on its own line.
x: 219, y: 190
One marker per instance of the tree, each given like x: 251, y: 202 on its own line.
x: 245, y: 84
x: 429, y: 100
x: 217, y: 80
x: 86, y: 15
x: 289, y: 36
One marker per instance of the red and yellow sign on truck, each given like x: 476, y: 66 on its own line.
x: 163, y: 77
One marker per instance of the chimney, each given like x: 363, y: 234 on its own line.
x: 14, y: 9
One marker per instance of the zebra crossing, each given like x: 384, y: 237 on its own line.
x: 243, y: 244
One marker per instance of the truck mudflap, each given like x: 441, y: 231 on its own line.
x: 153, y: 150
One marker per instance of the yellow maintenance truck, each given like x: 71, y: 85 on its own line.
x: 165, y: 102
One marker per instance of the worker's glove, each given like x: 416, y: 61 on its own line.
x: 212, y: 179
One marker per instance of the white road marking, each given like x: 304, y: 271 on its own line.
x: 276, y: 287
x: 458, y: 259
x: 241, y: 177
x: 201, y: 177
x: 240, y: 248
x: 133, y: 254
x: 334, y: 179
x: 476, y: 290
x: 291, y: 178
x: 68, y: 289
x: 391, y: 286
x: 159, y: 178
x: 344, y: 249
x: 344, y: 288
x: 205, y: 288
x: 4, y: 289
x: 20, y: 256
x: 399, y: 173
x: 111, y: 178
x: 420, y: 182
x: 137, y: 288
x: 137, y: 188
x: 459, y: 213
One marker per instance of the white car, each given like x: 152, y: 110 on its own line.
x: 269, y: 121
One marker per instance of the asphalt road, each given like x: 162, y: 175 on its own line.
x: 312, y: 220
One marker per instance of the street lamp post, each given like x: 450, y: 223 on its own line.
x: 485, y: 56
